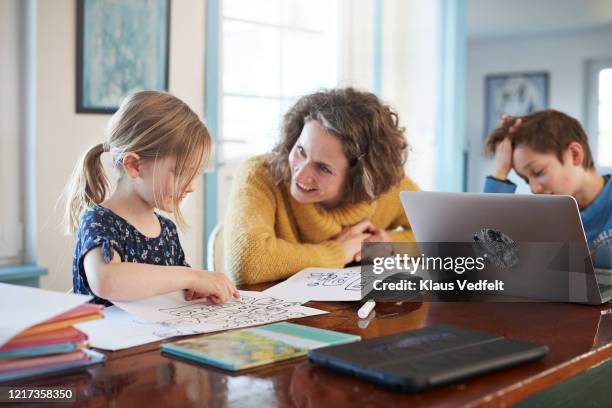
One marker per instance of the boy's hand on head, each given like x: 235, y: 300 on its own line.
x: 506, y: 119
x: 503, y: 159
x: 503, y: 150
x: 512, y: 123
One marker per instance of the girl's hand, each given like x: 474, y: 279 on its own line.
x: 214, y: 286
x: 352, y: 237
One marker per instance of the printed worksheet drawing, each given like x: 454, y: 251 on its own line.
x: 321, y: 284
x: 253, y: 308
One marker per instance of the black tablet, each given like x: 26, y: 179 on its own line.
x: 425, y: 358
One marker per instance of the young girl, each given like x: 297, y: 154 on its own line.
x: 124, y: 249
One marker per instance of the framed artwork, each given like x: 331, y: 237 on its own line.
x: 514, y: 94
x: 122, y: 47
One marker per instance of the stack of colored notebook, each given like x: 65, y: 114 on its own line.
x: 51, y: 346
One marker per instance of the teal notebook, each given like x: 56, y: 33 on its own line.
x: 40, y: 351
x: 255, y: 346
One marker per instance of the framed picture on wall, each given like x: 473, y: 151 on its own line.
x: 122, y: 47
x: 514, y: 94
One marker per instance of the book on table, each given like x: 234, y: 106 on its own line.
x: 50, y: 347
x: 255, y: 346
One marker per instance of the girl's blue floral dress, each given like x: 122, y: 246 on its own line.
x: 100, y: 227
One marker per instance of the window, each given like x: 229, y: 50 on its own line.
x: 598, y: 106
x: 11, y: 102
x: 273, y: 51
x: 604, y: 122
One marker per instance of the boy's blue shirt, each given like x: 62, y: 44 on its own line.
x: 596, y: 219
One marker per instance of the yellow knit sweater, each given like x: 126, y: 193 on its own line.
x: 269, y: 236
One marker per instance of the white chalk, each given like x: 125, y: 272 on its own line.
x: 365, y: 310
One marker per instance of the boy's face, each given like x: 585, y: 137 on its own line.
x: 544, y: 173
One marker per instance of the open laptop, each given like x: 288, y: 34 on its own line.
x: 535, y: 223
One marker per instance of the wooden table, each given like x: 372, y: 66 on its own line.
x: 579, y: 337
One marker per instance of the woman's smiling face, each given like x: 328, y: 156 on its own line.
x: 318, y: 166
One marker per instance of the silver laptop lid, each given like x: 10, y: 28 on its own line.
x: 527, y: 219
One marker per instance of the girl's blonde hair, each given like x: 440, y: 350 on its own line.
x: 154, y: 125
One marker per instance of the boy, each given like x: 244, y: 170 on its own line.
x: 550, y: 151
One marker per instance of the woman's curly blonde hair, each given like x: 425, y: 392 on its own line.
x: 373, y: 141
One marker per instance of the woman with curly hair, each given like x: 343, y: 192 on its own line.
x: 331, y: 183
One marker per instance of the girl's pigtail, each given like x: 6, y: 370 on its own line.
x: 88, y: 185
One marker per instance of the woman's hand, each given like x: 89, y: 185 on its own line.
x: 503, y: 151
x: 379, y: 235
x: 352, y: 237
x: 214, y: 286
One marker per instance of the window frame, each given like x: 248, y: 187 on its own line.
x: 282, y: 99
x: 12, y: 237
x: 592, y: 69
x: 347, y: 55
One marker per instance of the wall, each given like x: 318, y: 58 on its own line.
x: 62, y: 135
x: 563, y: 55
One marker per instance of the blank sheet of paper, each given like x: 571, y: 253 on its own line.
x: 22, y: 307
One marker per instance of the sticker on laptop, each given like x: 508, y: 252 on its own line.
x: 497, y: 248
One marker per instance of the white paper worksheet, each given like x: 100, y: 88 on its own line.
x: 120, y: 330
x: 322, y: 284
x: 199, y: 316
x: 22, y: 307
